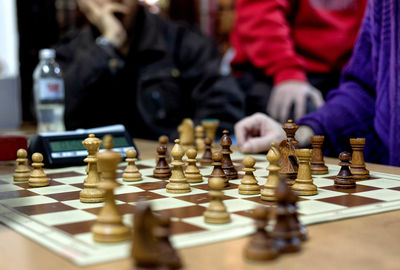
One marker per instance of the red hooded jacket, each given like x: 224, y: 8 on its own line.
x: 289, y: 38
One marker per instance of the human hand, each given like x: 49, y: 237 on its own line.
x: 101, y: 13
x: 285, y: 94
x: 255, y: 133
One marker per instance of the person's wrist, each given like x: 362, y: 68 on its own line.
x: 115, y: 39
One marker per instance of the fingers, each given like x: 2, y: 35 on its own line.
x: 300, y: 106
x: 259, y: 144
x: 245, y: 127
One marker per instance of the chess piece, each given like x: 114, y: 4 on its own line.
x: 162, y: 169
x: 207, y: 156
x: 169, y: 257
x: 317, y: 159
x: 22, y: 171
x: 91, y: 193
x: 216, y: 212
x: 177, y: 181
x: 287, y: 148
x: 357, y: 166
x: 186, y: 131
x: 286, y: 230
x: 344, y: 179
x: 163, y: 141
x: 217, y: 171
x: 131, y: 172
x: 292, y: 207
x: 38, y: 178
x: 226, y: 152
x: 210, y: 127
x: 199, y: 141
x: 192, y: 173
x: 145, y: 245
x: 304, y: 185
x: 273, y: 157
x: 249, y: 184
x: 261, y: 246
x: 109, y: 226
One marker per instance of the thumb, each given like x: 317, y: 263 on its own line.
x: 259, y: 144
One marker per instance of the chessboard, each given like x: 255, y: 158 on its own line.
x: 54, y: 217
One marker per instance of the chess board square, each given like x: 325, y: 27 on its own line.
x: 350, y: 200
x: 63, y: 217
x: 26, y: 184
x: 65, y: 196
x: 315, y: 207
x: 123, y: 208
x: 43, y: 208
x: 152, y: 185
x: 381, y: 194
x: 381, y: 183
x: 9, y: 187
x: 359, y: 188
x: 31, y: 200
x: 323, y: 193
x: 236, y: 221
x: 64, y: 174
x: 179, y: 227
x: 396, y: 188
x: 54, y: 189
x: 77, y: 204
x: 332, y: 177
x: 127, y: 189
x: 168, y: 203
x: 235, y: 205
x: 72, y: 180
x: 199, y: 198
x: 15, y: 194
x: 322, y: 182
x: 77, y: 227
x: 258, y: 200
x: 184, y: 212
x: 133, y: 197
x: 79, y: 185
x: 193, y: 191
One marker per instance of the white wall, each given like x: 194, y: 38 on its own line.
x: 10, y: 101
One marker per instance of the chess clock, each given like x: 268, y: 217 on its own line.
x: 62, y: 149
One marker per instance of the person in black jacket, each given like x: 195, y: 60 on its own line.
x: 138, y: 69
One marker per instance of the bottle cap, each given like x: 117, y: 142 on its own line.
x: 47, y: 53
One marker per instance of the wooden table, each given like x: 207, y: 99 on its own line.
x: 371, y: 242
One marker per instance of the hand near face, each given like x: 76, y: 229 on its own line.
x: 101, y: 13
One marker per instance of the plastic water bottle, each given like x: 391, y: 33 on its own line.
x: 49, y: 93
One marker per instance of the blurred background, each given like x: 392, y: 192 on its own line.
x: 30, y: 25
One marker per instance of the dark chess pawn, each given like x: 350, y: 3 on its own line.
x: 292, y: 201
x: 162, y: 169
x: 163, y: 141
x: 286, y: 232
x: 344, y: 179
x: 226, y: 152
x: 206, y: 159
x: 169, y: 256
x: 261, y: 246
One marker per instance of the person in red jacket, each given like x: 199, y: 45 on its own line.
x: 288, y: 53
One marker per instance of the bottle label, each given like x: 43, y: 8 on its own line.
x: 51, y: 89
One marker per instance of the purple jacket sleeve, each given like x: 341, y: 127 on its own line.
x: 349, y: 110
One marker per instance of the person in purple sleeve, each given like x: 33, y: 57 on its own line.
x: 366, y: 103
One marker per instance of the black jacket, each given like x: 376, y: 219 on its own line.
x: 170, y: 73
